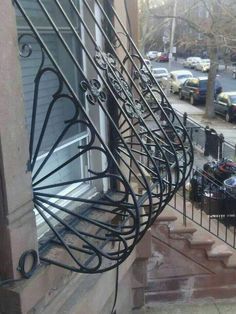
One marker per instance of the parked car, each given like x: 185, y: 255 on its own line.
x: 163, y: 57
x: 203, y: 65
x: 148, y: 64
x: 187, y: 62
x: 195, y: 89
x: 152, y: 55
x: 225, y: 104
x: 191, y: 62
x: 160, y: 74
x: 194, y: 62
x: 177, y: 78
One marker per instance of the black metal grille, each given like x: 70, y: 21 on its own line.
x: 148, y: 155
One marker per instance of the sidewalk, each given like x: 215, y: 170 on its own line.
x: 196, y: 113
x: 204, y: 307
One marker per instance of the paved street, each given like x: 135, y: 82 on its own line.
x: 197, y: 112
x: 228, y: 83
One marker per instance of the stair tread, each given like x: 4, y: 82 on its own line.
x: 167, y: 218
x: 183, y: 230
x: 219, y: 251
x: 201, y: 241
x: 231, y: 262
x: 163, y: 296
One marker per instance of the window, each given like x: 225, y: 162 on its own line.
x: 188, y: 83
x: 233, y: 99
x: 159, y: 71
x: 62, y: 110
x: 194, y: 83
x: 223, y: 99
x: 183, y: 76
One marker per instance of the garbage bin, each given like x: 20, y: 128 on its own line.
x: 230, y: 187
x: 214, y: 202
x: 211, y: 143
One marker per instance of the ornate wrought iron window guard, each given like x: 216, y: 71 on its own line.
x: 149, y: 154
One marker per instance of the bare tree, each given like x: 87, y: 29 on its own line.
x: 151, y: 30
x: 215, y: 22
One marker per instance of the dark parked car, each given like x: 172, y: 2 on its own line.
x: 225, y: 105
x: 195, y: 89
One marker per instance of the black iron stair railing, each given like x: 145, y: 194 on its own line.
x: 147, y: 159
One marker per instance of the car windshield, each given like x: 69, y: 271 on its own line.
x: 233, y: 99
x: 159, y: 71
x: 183, y: 76
x: 206, y: 61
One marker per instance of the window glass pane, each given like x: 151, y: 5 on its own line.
x: 233, y: 99
x: 36, y: 11
x: 63, y: 108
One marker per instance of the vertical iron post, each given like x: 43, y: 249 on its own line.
x: 221, y: 142
x: 184, y: 205
x: 185, y: 117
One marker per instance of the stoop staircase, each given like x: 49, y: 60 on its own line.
x: 188, y: 263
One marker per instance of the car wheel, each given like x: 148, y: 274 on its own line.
x: 227, y: 117
x: 192, y: 100
x: 181, y: 95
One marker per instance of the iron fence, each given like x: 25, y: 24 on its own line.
x: 208, y: 140
x: 208, y: 200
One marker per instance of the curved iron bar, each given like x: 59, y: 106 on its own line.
x: 103, y: 65
x: 122, y: 90
x: 132, y: 212
x: 109, y: 201
x: 173, y: 129
x: 188, y: 155
x: 135, y: 205
x: 79, y: 68
x: 149, y: 78
x: 147, y: 70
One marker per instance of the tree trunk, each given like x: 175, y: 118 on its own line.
x: 212, y: 51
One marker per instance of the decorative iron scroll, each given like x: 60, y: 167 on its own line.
x: 142, y: 163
